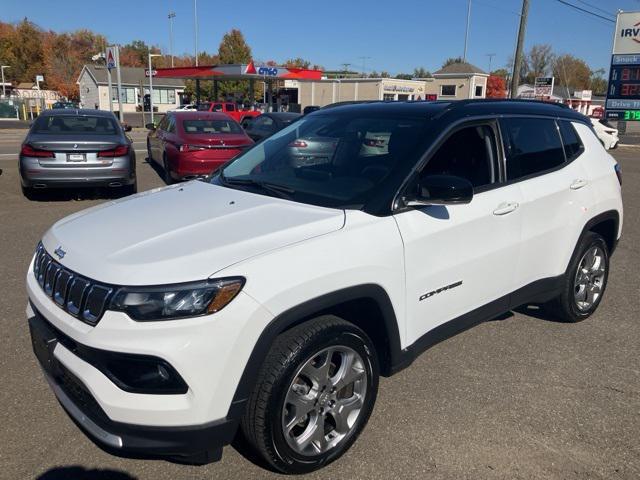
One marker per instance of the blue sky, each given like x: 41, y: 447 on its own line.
x: 398, y: 36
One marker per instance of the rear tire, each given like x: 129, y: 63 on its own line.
x: 130, y: 189
x: 166, y: 171
x: 314, y: 395
x: 585, y: 280
x: 28, y: 192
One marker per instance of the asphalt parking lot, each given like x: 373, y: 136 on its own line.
x: 521, y: 397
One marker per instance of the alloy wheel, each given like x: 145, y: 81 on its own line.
x: 589, y: 280
x: 324, y: 400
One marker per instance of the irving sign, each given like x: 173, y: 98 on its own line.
x: 627, y: 39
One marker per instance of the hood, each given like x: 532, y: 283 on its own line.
x: 182, y: 233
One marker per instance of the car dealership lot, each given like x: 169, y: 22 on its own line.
x: 519, y: 397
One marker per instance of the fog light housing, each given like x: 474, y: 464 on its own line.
x: 142, y: 374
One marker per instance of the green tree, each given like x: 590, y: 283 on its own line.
x: 404, y: 76
x: 28, y: 53
x: 297, y: 63
x: 452, y: 60
x: 598, y: 83
x: 501, y: 72
x: 233, y: 50
x: 421, y: 72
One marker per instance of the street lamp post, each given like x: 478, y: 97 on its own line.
x: 171, y: 16
x: 195, y: 29
x: 4, y: 91
x: 151, y: 83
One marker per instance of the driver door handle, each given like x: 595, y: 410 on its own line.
x: 505, y: 208
x: 578, y: 184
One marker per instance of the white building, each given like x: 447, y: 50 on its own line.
x: 94, y: 89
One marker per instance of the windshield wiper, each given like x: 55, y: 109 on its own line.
x: 281, y: 191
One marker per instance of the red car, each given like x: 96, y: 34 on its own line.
x: 190, y: 145
x: 230, y: 109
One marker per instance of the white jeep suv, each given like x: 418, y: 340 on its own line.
x: 267, y: 300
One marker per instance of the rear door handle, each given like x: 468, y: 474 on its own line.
x: 578, y: 184
x: 505, y: 208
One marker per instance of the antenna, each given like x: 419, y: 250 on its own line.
x: 490, y: 55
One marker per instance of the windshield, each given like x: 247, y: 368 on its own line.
x: 201, y: 127
x: 330, y: 160
x: 63, y: 124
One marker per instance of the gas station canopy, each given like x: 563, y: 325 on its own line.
x: 237, y: 72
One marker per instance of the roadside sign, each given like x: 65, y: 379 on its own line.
x: 154, y: 72
x: 39, y: 78
x: 623, y: 91
x: 543, y: 86
x: 111, y: 58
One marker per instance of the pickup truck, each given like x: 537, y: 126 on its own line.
x: 229, y: 108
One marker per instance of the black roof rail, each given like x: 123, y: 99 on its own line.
x: 509, y: 100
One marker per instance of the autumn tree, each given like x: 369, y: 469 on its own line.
x: 496, y: 87
x: 571, y: 72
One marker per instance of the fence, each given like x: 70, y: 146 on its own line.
x: 21, y: 108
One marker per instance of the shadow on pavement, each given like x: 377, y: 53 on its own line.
x: 81, y: 473
x: 63, y: 194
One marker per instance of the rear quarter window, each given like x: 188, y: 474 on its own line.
x: 533, y: 146
x: 571, y: 140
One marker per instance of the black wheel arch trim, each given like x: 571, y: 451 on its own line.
x: 603, y: 217
x: 305, y: 311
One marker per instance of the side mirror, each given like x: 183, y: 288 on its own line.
x: 150, y: 126
x: 440, y: 190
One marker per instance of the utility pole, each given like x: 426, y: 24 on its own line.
x: 515, y: 77
x: 345, y: 67
x: 171, y: 16
x: 195, y: 29
x: 364, y: 59
x: 466, y: 32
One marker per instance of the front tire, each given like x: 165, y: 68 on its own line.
x: 314, y: 395
x: 585, y: 280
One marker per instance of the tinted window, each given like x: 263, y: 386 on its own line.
x: 469, y: 153
x: 533, y: 145
x: 322, y: 159
x: 203, y: 107
x: 194, y: 127
x: 64, y: 124
x: 570, y: 139
x: 231, y: 107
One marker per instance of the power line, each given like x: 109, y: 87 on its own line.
x: 595, y: 8
x: 586, y: 11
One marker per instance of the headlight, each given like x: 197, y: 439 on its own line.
x: 169, y: 302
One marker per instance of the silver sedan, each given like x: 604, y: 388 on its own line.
x: 77, y: 148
